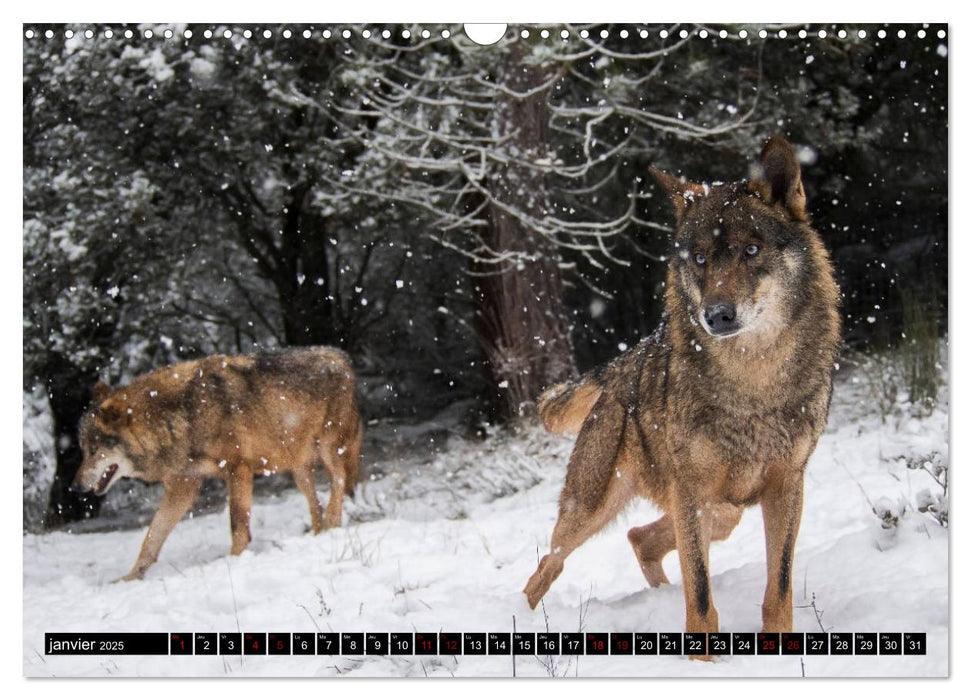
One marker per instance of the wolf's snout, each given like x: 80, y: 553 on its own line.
x: 721, y: 319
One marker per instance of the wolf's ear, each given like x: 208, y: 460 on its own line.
x: 113, y: 415
x: 682, y: 193
x: 777, y: 178
x: 100, y: 392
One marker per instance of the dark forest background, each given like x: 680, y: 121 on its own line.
x: 470, y: 223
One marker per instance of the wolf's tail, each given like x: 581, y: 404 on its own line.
x: 564, y: 407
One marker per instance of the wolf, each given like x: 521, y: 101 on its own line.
x: 227, y: 417
x: 722, y: 406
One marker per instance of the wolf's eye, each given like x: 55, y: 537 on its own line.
x: 699, y: 258
x: 752, y: 250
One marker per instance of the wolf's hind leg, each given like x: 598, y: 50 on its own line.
x: 240, y: 506
x: 652, y: 542
x: 178, y: 497
x: 304, y: 478
x: 575, y: 526
x: 599, y: 482
x: 568, y: 534
x: 334, y: 462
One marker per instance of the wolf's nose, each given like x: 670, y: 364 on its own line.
x: 77, y: 486
x: 720, y: 317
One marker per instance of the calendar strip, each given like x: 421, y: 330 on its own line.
x: 486, y: 643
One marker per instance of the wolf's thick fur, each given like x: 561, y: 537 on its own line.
x: 228, y: 418
x: 722, y: 406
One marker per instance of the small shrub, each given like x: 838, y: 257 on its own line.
x: 920, y: 351
x: 889, y: 512
x: 883, y: 381
x: 933, y: 504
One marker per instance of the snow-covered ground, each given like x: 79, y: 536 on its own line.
x: 445, y: 542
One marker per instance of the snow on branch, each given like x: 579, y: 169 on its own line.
x: 441, y: 129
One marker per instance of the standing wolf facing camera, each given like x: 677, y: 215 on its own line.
x: 228, y: 418
x: 722, y: 406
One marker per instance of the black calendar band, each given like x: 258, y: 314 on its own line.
x: 486, y: 643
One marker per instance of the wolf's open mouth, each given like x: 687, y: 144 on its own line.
x: 105, y: 479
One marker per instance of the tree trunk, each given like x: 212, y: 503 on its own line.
x: 306, y: 300
x: 519, y: 316
x: 69, y: 391
x: 303, y: 279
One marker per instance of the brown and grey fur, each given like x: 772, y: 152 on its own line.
x: 704, y: 425
x: 228, y: 418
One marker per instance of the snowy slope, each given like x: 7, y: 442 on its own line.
x: 446, y: 542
